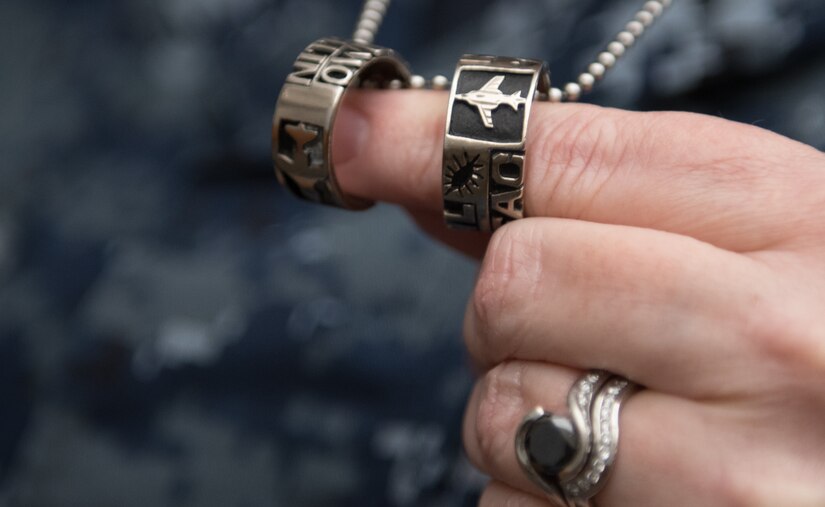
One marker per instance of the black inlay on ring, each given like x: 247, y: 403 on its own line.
x: 507, y: 124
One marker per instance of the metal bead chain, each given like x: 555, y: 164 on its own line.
x: 438, y: 82
x: 634, y: 29
x: 372, y: 14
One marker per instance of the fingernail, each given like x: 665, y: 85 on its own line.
x: 350, y: 134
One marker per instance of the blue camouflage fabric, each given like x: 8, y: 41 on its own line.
x: 177, y: 330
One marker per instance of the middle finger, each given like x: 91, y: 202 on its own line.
x: 665, y: 310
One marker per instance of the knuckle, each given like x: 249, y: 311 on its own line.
x: 488, y: 295
x: 579, y: 153
x: 781, y: 335
x: 494, y: 496
x: 731, y: 490
x: 746, y: 490
x: 736, y: 494
x: 499, y: 408
x: 422, y: 157
x: 509, y: 274
x: 581, y: 150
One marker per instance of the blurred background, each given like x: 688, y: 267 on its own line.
x: 177, y: 330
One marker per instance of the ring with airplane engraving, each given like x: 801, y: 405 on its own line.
x: 484, y: 142
x: 306, y: 110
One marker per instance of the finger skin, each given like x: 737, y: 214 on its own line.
x: 667, y: 311
x: 712, y: 179
x: 470, y: 243
x: 388, y: 147
x: 497, y: 494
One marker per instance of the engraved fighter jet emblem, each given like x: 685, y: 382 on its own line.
x: 489, y: 98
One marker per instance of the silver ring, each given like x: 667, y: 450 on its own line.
x: 306, y: 110
x: 484, y: 143
x: 570, y: 457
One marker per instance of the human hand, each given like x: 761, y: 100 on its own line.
x: 684, y: 252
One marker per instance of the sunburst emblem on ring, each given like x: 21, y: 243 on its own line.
x: 463, y: 175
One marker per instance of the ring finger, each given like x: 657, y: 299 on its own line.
x: 657, y: 463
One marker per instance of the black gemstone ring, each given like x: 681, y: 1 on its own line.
x: 483, y: 167
x: 309, y: 101
x: 570, y: 457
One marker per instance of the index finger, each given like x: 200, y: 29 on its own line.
x: 678, y: 172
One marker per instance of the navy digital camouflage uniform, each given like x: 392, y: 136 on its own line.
x: 177, y: 330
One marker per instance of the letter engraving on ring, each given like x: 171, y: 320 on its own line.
x: 483, y: 166
x: 507, y: 191
x: 306, y: 110
x: 330, y: 61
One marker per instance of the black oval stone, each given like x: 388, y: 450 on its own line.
x: 550, y: 444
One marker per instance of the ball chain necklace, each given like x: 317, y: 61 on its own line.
x: 373, y: 12
x: 485, y: 138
